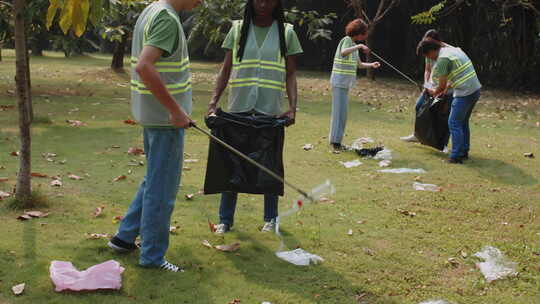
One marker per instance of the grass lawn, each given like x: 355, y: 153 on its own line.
x: 390, y: 258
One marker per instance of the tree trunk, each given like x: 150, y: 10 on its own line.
x: 1, y: 45
x: 117, y: 63
x: 24, y: 186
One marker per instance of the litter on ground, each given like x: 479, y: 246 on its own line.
x: 495, y: 265
x: 351, y: 164
x: 299, y: 257
x: 426, y: 187
x: 403, y: 170
x: 65, y: 276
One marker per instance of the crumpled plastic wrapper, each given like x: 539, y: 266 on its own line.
x: 299, y: 257
x: 436, y: 302
x: 496, y: 265
x: 66, y: 277
x: 351, y: 164
x: 385, y: 154
x: 426, y: 187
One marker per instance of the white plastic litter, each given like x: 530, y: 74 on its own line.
x: 359, y: 143
x: 496, y: 266
x: 426, y: 187
x: 299, y: 257
x: 385, y: 163
x: 436, y: 302
x: 107, y: 275
x: 403, y: 170
x: 351, y: 164
x: 308, y: 147
x: 385, y: 154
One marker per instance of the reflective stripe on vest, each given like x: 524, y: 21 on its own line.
x: 174, y: 71
x: 344, y: 66
x: 463, y: 68
x: 258, y: 81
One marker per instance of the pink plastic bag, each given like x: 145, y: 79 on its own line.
x: 107, y: 275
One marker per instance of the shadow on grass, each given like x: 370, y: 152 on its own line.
x: 315, y: 283
x: 501, y: 172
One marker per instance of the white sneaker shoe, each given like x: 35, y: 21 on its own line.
x: 222, y: 228
x: 445, y: 150
x: 411, y: 138
x: 269, y: 226
x: 170, y: 267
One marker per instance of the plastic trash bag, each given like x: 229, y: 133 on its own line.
x: 496, y: 266
x: 351, y: 164
x: 368, y: 152
x: 385, y: 154
x: 299, y: 257
x: 65, y: 276
x: 403, y: 170
x: 426, y: 187
x: 431, y: 125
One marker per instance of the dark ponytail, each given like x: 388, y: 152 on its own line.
x: 249, y: 14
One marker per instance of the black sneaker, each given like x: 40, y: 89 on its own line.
x: 454, y: 161
x: 170, y: 267
x: 465, y: 156
x: 120, y: 246
x: 338, y: 147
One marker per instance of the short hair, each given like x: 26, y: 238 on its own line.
x: 433, y: 34
x: 427, y: 45
x: 356, y: 27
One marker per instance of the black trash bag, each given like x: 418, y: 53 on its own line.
x: 431, y: 126
x: 368, y: 152
x: 258, y: 136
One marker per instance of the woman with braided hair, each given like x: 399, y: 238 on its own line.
x: 260, y: 67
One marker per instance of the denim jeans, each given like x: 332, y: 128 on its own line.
x: 458, y: 122
x: 420, y: 101
x: 149, y: 214
x: 340, y: 102
x: 228, y: 207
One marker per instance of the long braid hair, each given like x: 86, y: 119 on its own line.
x: 249, y: 14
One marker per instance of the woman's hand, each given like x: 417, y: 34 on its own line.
x: 291, y: 115
x: 364, y: 48
x: 376, y: 65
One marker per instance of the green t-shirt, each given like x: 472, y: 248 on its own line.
x: 293, y: 43
x: 163, y: 33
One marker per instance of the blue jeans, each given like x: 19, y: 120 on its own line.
x: 458, y: 122
x: 228, y: 207
x: 420, y: 101
x: 149, y: 215
x: 340, y: 102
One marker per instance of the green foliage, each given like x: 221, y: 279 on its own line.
x: 212, y: 20
x: 429, y: 16
x: 119, y: 19
x: 6, y: 22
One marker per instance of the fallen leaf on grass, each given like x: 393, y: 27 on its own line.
x: 360, y: 222
x: 206, y: 243
x: 189, y: 161
x: 368, y: 251
x: 18, y: 289
x: 190, y: 197
x: 350, y: 232
x: 117, y: 219
x: 41, y: 175
x: 74, y: 177
x: 98, y: 211
x: 97, y: 236
x: 228, y: 248
x: 326, y: 200
x: 130, y: 122
x: 538, y: 124
x: 235, y: 301
x: 56, y: 183
x: 212, y: 226
x: 453, y: 262
x: 135, y: 151
x: 24, y: 217
x: 74, y: 123
x: 119, y: 178
x: 14, y: 153
x: 3, y: 179
x: 406, y: 212
x: 38, y: 214
x: 174, y: 229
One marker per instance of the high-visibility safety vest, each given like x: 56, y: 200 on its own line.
x: 174, y: 71
x: 258, y: 81
x: 344, y: 69
x: 462, y: 77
